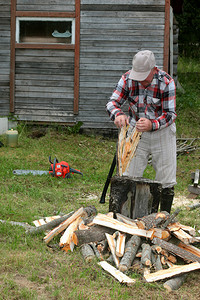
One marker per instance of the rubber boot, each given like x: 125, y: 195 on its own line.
x: 167, y: 196
x: 156, y: 198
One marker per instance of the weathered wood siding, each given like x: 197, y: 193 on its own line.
x: 44, y: 79
x: 4, y: 57
x: 111, y: 32
x: 44, y: 85
x: 46, y: 5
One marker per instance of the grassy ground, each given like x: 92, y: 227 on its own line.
x: 31, y: 270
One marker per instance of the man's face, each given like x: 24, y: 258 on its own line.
x: 149, y: 79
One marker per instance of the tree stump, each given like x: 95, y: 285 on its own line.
x: 133, y: 197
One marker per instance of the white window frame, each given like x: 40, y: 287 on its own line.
x: 18, y: 19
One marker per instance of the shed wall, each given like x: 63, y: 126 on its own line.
x: 4, y: 57
x: 110, y: 34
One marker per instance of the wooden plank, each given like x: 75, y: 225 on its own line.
x: 166, y: 38
x: 121, y: 7
x: 44, y: 46
x: 122, y: 278
x: 104, y: 220
x: 173, y: 271
x: 46, y: 7
x: 44, y: 14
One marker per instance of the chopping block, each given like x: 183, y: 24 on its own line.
x: 133, y: 197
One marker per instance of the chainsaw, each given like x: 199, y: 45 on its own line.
x: 57, y: 169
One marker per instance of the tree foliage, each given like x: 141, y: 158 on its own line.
x: 189, y: 28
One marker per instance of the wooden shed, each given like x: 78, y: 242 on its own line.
x: 61, y: 59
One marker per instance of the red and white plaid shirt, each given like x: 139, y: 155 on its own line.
x: 157, y: 102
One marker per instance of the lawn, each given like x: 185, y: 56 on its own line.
x: 31, y: 270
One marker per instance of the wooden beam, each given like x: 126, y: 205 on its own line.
x: 77, y: 57
x: 45, y: 14
x: 12, y: 56
x: 44, y: 46
x: 166, y: 36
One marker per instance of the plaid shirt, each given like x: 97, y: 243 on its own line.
x: 157, y: 102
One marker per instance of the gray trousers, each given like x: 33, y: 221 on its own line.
x: 161, y: 144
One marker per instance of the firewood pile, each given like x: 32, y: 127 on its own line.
x: 157, y: 245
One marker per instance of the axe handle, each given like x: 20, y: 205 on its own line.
x: 103, y: 195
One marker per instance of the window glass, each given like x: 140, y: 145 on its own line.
x: 45, y: 31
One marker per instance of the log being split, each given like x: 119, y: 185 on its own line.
x: 106, y: 221
x: 131, y: 249
x: 173, y: 271
x: 187, y: 256
x: 80, y: 212
x: 122, y: 278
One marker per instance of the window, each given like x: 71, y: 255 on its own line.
x: 45, y: 30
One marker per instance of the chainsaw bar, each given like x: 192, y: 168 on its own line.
x: 33, y: 172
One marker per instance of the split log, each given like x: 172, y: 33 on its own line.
x: 173, y: 271
x: 172, y: 259
x: 161, y: 234
x: 95, y: 233
x: 131, y: 249
x: 21, y: 224
x: 183, y: 236
x: 158, y: 264
x: 80, y: 212
x: 190, y: 248
x: 106, y: 221
x: 50, y: 225
x: 146, y: 254
x: 152, y: 220
x: 122, y: 278
x: 120, y: 244
x: 127, y: 144
x: 188, y: 229
x: 126, y: 220
x: 112, y: 246
x: 87, y: 252
x: 187, y: 256
x: 175, y: 283
x: 171, y: 218
x: 66, y: 238
x: 96, y: 251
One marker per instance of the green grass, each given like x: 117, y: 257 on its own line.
x: 31, y: 270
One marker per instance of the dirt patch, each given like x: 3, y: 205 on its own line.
x: 182, y: 201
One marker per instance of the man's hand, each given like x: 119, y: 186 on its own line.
x: 121, y: 121
x: 143, y: 125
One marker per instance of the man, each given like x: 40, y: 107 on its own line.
x: 151, y: 94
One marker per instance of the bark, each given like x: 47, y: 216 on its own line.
x: 152, y: 220
x: 187, y: 256
x: 95, y: 233
x: 158, y: 264
x: 146, y: 255
x: 193, y: 206
x: 87, y: 252
x: 171, y: 218
x: 175, y: 283
x: 21, y: 224
x: 131, y: 249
